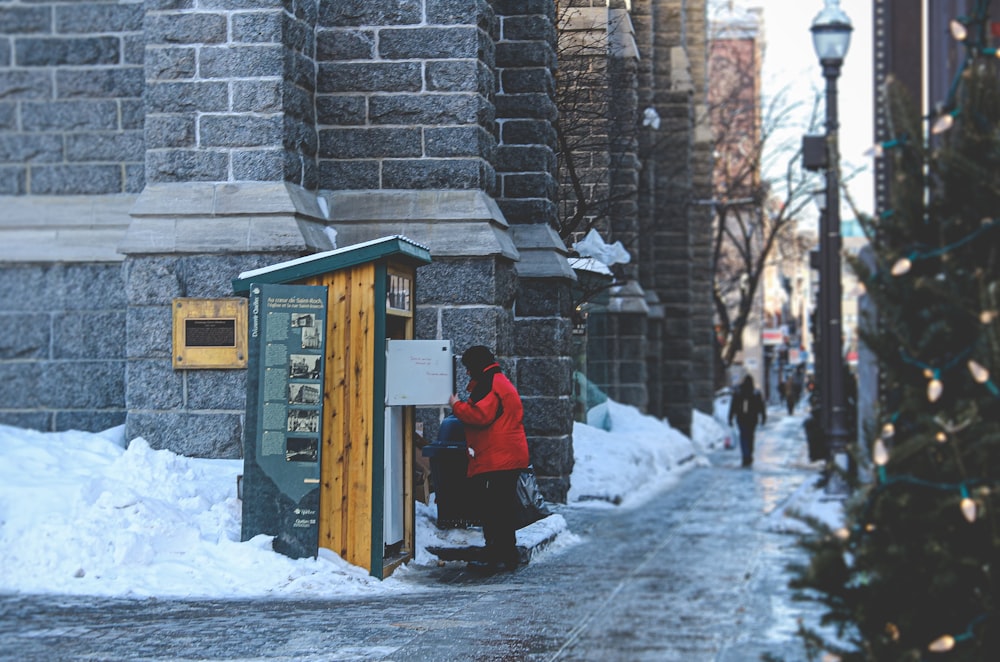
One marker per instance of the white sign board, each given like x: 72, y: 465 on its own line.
x: 419, y: 372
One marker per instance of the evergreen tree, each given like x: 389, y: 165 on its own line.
x: 915, y: 573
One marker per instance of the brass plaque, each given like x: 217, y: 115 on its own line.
x: 210, y: 333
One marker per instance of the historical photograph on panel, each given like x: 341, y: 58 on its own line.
x: 302, y: 449
x: 304, y: 394
x: 303, y: 420
x: 310, y: 337
x: 303, y: 320
x: 304, y: 366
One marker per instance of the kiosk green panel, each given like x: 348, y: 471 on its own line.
x: 282, y: 441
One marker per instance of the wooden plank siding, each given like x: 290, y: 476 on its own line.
x: 346, y: 494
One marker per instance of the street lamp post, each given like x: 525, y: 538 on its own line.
x: 831, y: 31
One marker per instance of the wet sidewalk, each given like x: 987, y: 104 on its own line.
x: 696, y: 573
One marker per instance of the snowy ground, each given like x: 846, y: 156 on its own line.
x: 84, y: 513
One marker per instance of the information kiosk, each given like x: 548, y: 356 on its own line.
x: 334, y: 374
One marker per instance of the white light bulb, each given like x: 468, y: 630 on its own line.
x: 979, y: 373
x: 888, y: 430
x: 902, y: 265
x: 876, y: 151
x: 934, y: 390
x: 880, y: 453
x: 958, y: 31
x: 942, y: 644
x: 968, y: 509
x: 943, y: 123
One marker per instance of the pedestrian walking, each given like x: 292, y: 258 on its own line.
x: 498, y: 450
x: 793, y: 391
x: 747, y: 406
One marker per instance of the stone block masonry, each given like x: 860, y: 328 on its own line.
x: 62, y: 347
x: 71, y: 85
x: 194, y: 412
x: 405, y: 95
x: 230, y: 92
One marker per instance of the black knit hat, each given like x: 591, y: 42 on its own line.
x: 476, y: 358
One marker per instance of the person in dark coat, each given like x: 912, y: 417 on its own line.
x: 498, y: 450
x: 747, y: 407
x: 793, y: 391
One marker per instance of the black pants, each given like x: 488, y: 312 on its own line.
x: 746, y: 443
x: 497, y: 490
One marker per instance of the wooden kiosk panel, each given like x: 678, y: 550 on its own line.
x: 352, y: 508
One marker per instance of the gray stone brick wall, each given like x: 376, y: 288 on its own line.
x: 404, y: 95
x: 468, y: 301
x: 666, y: 268
x: 71, y: 84
x: 194, y: 412
x: 704, y: 368
x: 230, y: 92
x: 62, y: 347
x: 525, y: 161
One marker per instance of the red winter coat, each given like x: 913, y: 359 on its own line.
x: 494, y: 424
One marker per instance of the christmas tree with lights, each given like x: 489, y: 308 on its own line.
x: 915, y: 572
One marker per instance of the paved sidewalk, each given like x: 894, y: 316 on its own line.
x: 697, y: 573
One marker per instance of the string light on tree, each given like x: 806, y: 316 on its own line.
x: 968, y: 506
x: 942, y: 644
x: 958, y: 30
x: 934, y: 386
x: 880, y: 454
x: 935, y: 281
x: 979, y: 373
x: 902, y: 266
x: 944, y: 122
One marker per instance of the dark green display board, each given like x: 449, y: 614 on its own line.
x: 282, y: 436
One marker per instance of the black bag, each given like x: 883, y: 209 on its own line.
x: 531, y: 504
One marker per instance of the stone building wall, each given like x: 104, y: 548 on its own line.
x: 71, y: 160
x: 167, y: 146
x: 666, y: 272
x: 701, y: 217
x: 153, y: 150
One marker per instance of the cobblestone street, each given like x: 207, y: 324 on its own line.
x: 694, y: 574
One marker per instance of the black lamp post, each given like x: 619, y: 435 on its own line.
x: 831, y: 31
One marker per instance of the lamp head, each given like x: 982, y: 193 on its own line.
x: 831, y: 31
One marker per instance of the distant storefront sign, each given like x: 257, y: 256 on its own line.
x: 772, y: 337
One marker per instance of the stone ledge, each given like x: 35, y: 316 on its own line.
x: 450, y: 223
x: 63, y: 228
x: 543, y: 254
x: 628, y: 298
x: 227, y: 217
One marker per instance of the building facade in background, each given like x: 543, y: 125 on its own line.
x: 155, y: 150
x: 913, y: 46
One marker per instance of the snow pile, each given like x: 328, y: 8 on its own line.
x: 628, y: 458
x: 82, y: 513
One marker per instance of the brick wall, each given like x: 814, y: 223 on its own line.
x: 229, y: 92
x: 62, y: 339
x: 405, y: 95
x: 71, y: 83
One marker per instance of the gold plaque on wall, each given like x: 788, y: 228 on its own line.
x: 210, y: 333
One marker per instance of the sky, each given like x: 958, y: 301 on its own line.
x: 91, y: 514
x: 790, y: 62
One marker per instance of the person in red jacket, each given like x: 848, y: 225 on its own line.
x: 498, y: 450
